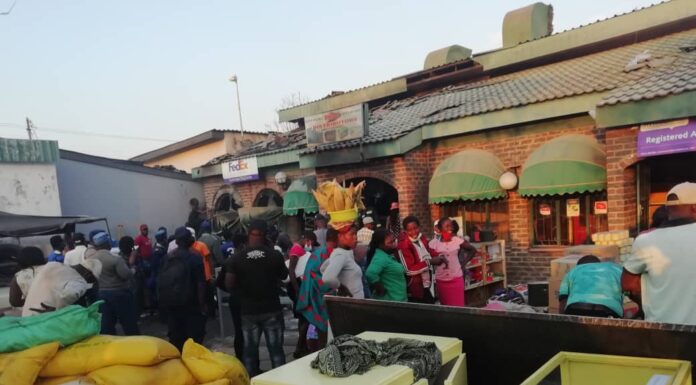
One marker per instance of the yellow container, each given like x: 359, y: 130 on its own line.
x: 597, y: 369
x: 349, y: 215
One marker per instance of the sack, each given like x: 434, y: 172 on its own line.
x: 174, y: 281
x: 66, y: 326
x: 22, y: 368
x: 207, y: 366
x: 170, y: 372
x: 102, y: 351
x: 67, y: 380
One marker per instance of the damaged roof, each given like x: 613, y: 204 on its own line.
x: 274, y: 143
x: 672, y: 71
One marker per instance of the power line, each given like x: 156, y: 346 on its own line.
x: 9, y: 10
x: 87, y: 133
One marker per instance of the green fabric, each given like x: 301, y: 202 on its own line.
x: 299, y: 197
x: 390, y: 272
x: 468, y: 175
x: 565, y: 165
x: 67, y: 326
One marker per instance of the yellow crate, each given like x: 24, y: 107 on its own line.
x: 597, y: 369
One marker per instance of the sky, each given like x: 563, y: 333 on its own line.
x: 120, y: 78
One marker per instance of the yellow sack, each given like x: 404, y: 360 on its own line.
x: 101, y: 351
x: 207, y: 366
x: 171, y: 372
x: 224, y: 381
x: 67, y: 380
x: 22, y: 368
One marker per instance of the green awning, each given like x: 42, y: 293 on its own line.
x: 299, y: 197
x: 565, y: 165
x: 468, y: 175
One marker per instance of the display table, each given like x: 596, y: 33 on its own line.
x: 299, y: 372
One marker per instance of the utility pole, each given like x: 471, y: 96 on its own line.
x: 233, y: 79
x: 30, y: 125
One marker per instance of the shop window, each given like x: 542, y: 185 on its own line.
x: 481, y: 215
x: 565, y: 220
x: 268, y: 198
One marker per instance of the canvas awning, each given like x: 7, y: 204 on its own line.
x: 565, y: 165
x: 19, y: 226
x: 299, y: 197
x: 467, y: 175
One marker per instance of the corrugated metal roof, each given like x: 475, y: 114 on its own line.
x: 28, y: 151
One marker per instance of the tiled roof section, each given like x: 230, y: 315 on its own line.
x: 274, y: 143
x: 600, y: 72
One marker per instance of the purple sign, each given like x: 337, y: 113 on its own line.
x: 667, y: 138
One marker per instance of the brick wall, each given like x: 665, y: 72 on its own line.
x: 621, y: 177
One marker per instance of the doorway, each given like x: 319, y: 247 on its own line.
x: 378, y: 196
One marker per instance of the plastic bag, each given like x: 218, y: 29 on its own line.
x: 101, y: 351
x: 207, y: 366
x: 170, y: 372
x: 22, y: 368
x: 66, y: 326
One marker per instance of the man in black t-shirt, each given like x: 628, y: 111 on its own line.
x: 254, y: 275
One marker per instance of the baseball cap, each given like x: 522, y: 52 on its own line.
x: 182, y: 233
x: 101, y: 238
x: 192, y: 231
x: 682, y: 194
x: 368, y: 220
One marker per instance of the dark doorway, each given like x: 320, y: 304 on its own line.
x: 268, y: 197
x: 226, y: 203
x: 378, y: 196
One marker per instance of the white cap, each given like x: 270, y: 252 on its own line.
x: 368, y: 220
x: 192, y: 231
x: 682, y: 194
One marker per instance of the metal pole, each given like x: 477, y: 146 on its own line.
x: 239, y: 108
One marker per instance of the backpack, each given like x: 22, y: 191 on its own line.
x: 174, y: 286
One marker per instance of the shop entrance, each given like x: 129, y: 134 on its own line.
x: 657, y: 175
x: 378, y: 197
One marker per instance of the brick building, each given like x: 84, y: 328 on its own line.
x: 562, y: 112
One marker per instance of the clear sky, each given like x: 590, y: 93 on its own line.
x: 160, y: 68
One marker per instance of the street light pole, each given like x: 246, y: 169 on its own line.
x: 233, y: 79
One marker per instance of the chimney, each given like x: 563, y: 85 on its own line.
x: 446, y: 55
x: 528, y: 23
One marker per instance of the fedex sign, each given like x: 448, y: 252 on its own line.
x: 240, y: 170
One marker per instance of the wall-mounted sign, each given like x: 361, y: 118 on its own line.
x: 240, y: 170
x: 573, y: 208
x: 336, y: 126
x: 545, y: 209
x: 667, y: 138
x: 601, y: 207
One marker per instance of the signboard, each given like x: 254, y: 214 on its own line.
x: 573, y: 208
x: 240, y: 170
x: 667, y: 138
x: 544, y: 209
x: 336, y: 126
x: 601, y: 207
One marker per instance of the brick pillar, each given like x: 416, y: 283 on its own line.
x: 412, y: 177
x: 520, y: 233
x: 621, y: 177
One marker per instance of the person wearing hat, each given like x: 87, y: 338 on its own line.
x: 365, y: 234
x: 254, y: 274
x: 58, y: 285
x: 320, y: 226
x: 181, y: 291
x: 115, y: 288
x: 77, y: 255
x: 659, y: 272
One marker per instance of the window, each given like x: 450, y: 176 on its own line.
x: 481, y: 215
x: 564, y: 220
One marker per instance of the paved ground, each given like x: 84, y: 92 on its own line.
x: 216, y: 342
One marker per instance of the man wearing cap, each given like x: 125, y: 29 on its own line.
x: 115, y: 288
x: 320, y: 225
x: 660, y: 271
x: 254, y: 274
x: 365, y: 234
x: 77, y: 255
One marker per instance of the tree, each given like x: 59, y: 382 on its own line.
x: 288, y: 101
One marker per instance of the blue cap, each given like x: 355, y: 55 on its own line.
x: 101, y: 238
x: 161, y: 232
x: 95, y: 232
x: 205, y: 225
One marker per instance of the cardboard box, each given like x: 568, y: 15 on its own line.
x: 554, y: 286
x: 605, y: 253
x: 561, y: 266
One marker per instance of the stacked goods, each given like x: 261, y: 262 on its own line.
x: 619, y: 239
x: 341, y: 203
x: 115, y: 360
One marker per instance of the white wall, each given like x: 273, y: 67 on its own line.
x: 29, y: 189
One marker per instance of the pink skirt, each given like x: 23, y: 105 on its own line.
x: 451, y: 293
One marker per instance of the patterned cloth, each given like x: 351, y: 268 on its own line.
x: 310, y: 301
x: 347, y: 355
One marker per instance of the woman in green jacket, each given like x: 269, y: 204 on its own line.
x: 385, y: 273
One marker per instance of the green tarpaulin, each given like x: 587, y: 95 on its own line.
x: 565, y: 165
x: 299, y: 197
x: 468, y: 175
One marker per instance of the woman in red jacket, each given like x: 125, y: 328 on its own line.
x: 417, y: 257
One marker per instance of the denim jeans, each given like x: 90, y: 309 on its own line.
x: 118, y: 307
x: 271, y: 325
